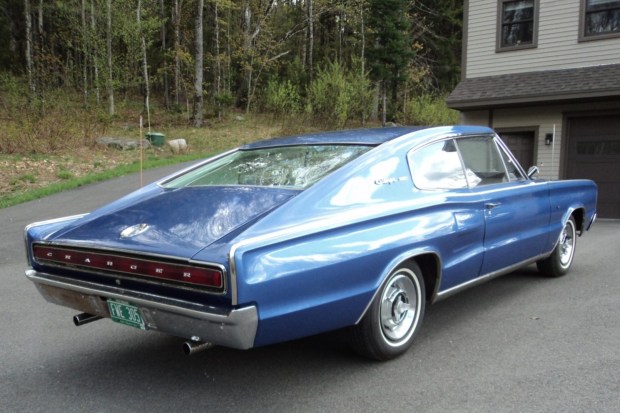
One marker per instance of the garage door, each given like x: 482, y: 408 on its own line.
x: 594, y: 153
x: 521, y: 144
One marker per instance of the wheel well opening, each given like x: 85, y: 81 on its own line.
x: 429, y: 266
x: 579, y: 217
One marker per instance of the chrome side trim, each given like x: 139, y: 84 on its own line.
x: 594, y: 216
x: 484, y: 278
x: 235, y: 328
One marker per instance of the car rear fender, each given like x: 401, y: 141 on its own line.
x: 429, y: 261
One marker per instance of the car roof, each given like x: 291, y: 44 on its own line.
x: 373, y: 136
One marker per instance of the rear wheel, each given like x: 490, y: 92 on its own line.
x: 394, y: 317
x: 560, y: 260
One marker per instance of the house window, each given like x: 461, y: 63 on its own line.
x: 600, y: 18
x: 517, y: 24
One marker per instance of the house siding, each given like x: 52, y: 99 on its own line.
x: 558, y: 42
x: 544, y: 119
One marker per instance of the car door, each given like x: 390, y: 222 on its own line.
x: 516, y: 209
x: 456, y: 210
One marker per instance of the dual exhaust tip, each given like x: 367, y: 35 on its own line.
x: 189, y: 347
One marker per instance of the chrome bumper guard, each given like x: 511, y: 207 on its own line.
x: 235, y: 329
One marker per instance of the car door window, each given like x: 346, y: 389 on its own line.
x: 482, y: 157
x: 437, y: 166
x: 514, y: 173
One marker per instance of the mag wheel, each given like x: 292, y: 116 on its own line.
x: 394, y: 317
x: 560, y: 260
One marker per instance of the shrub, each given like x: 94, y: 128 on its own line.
x: 338, y: 96
x: 427, y: 110
x: 282, y: 97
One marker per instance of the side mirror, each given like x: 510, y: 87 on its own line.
x: 532, y: 171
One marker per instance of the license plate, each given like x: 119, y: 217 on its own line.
x: 125, y: 313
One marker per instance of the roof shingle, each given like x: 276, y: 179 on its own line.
x: 537, y: 87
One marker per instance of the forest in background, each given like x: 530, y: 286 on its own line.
x: 334, y: 61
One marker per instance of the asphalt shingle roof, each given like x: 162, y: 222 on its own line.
x: 537, y: 87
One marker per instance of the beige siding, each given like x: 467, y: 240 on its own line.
x: 541, y: 118
x: 558, y: 45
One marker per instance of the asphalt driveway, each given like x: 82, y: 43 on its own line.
x: 520, y: 343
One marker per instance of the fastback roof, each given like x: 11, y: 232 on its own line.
x: 375, y: 136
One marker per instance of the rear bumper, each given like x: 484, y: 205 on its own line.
x: 235, y: 328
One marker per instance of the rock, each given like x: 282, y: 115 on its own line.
x: 122, y: 143
x: 178, y: 145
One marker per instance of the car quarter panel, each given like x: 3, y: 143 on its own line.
x: 314, y: 264
x: 567, y: 197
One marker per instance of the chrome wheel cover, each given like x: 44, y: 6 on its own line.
x: 400, y: 307
x: 566, y: 244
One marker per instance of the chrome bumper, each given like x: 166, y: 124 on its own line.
x: 235, y: 329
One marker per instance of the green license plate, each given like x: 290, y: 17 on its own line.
x: 125, y: 313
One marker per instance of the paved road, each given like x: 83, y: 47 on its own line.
x: 520, y: 343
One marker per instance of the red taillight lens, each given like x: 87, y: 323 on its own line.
x: 83, y: 259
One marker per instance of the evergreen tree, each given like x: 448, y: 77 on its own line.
x: 389, y: 49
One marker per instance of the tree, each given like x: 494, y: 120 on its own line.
x: 390, y: 49
x: 110, y: 83
x: 199, y: 58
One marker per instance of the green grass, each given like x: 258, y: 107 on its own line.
x: 70, y: 182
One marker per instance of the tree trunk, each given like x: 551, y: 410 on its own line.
x: 84, y: 55
x: 29, y: 65
x: 176, y: 19
x: 218, y: 62
x: 145, y: 67
x: 198, y: 94
x: 163, y: 50
x: 111, y: 109
x: 95, y: 52
x: 384, y: 104
x: 310, y: 39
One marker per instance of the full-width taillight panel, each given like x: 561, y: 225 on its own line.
x: 125, y: 264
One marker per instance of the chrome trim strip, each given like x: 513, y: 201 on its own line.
x: 487, y: 277
x: 236, y: 328
x: 592, y: 219
x: 54, y: 221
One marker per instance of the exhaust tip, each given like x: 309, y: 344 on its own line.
x: 84, y: 318
x: 193, y: 347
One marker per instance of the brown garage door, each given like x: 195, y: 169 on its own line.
x: 521, y: 144
x: 594, y: 153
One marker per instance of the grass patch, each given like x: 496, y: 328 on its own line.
x: 72, y: 183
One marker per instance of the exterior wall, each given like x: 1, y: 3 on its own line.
x: 543, y: 119
x: 558, y: 42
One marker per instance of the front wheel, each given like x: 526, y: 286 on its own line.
x: 560, y: 260
x: 394, y: 317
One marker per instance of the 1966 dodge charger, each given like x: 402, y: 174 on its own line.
x: 285, y: 238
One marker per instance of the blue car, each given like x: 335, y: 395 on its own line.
x: 356, y: 230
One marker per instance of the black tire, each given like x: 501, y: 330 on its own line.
x: 561, y: 259
x: 393, y: 319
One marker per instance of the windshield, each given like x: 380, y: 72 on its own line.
x: 295, y: 167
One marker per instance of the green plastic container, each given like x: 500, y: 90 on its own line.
x: 156, y: 138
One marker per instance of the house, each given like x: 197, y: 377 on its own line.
x: 546, y: 75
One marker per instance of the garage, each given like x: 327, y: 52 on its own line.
x: 593, y: 152
x: 521, y: 144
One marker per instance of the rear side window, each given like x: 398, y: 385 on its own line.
x: 295, y: 167
x: 437, y: 166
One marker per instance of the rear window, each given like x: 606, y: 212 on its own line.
x: 295, y: 167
